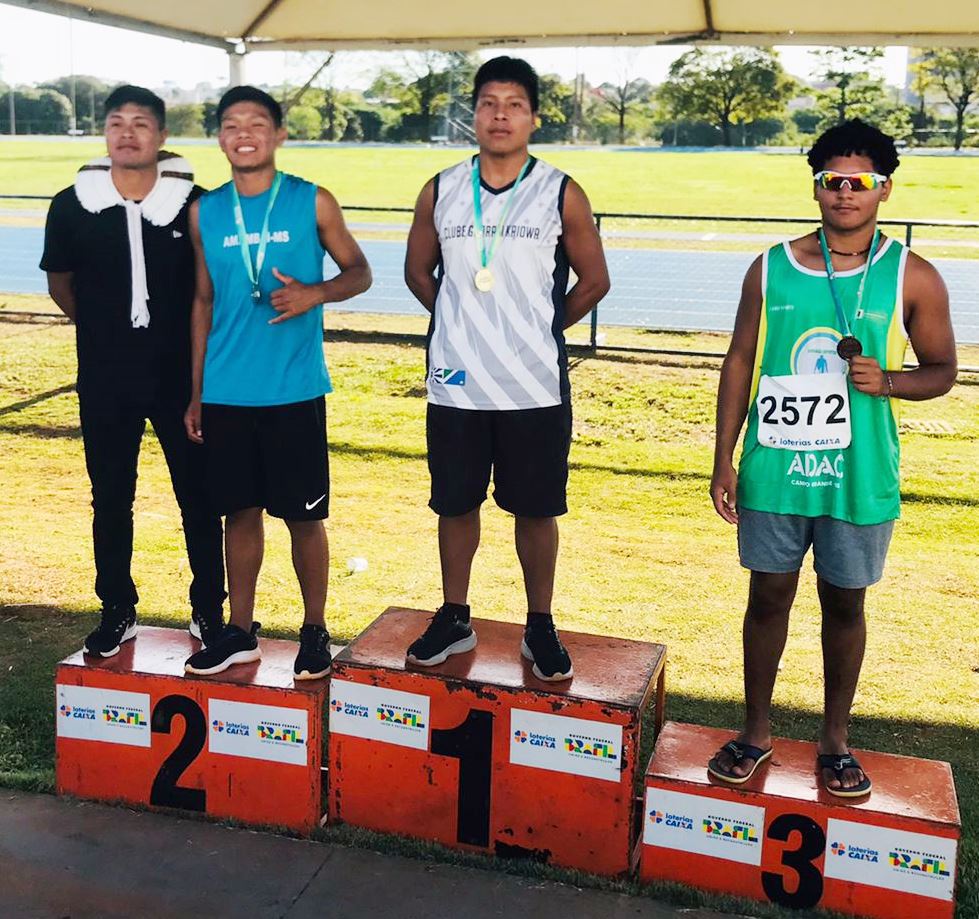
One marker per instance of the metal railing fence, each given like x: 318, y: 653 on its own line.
x: 672, y: 272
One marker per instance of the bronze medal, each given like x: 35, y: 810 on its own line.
x: 849, y: 347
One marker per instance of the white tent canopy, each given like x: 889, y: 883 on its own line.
x: 248, y: 25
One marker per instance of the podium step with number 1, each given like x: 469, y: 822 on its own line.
x: 478, y: 753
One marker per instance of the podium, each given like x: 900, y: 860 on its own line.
x: 781, y: 837
x: 479, y: 754
x: 245, y: 744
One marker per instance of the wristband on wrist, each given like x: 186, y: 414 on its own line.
x: 890, y: 385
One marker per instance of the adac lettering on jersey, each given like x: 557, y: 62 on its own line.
x: 812, y: 470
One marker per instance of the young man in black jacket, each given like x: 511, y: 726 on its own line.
x: 120, y: 265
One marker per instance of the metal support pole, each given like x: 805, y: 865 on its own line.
x: 594, y: 313
x: 236, y: 67
x: 907, y: 235
x: 13, y: 110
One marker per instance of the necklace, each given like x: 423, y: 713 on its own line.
x: 838, y: 252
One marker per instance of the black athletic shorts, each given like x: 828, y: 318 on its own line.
x: 268, y: 456
x: 526, y: 449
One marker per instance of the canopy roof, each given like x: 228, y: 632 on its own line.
x: 331, y: 24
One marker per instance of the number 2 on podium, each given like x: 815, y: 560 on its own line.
x: 165, y: 791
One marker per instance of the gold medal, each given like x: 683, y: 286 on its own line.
x: 484, y: 280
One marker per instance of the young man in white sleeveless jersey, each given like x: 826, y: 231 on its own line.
x: 489, y: 254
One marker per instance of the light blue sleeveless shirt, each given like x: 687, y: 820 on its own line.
x: 248, y: 361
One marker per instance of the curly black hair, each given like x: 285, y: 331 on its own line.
x: 855, y: 137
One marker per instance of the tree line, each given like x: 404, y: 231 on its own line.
x: 710, y: 97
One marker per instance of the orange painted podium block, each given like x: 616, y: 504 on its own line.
x: 479, y: 754
x: 780, y: 837
x: 245, y: 744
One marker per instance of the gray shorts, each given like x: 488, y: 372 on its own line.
x: 844, y: 554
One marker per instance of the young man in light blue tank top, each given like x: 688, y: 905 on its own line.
x: 815, y: 365
x: 259, y: 377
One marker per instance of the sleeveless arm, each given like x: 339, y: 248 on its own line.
x: 733, y: 392
x: 930, y: 330
x: 424, y: 251
x: 585, y: 255
x: 295, y: 298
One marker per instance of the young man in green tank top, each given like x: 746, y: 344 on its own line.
x: 815, y: 365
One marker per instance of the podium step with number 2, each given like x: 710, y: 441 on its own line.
x: 244, y: 744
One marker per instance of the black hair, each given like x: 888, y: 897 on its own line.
x: 855, y: 137
x: 250, y: 94
x: 508, y: 70
x: 136, y: 95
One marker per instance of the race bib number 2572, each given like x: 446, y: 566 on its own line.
x: 804, y: 412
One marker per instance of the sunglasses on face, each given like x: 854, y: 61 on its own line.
x: 855, y: 181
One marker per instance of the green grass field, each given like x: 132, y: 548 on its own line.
x: 749, y: 183
x: 642, y: 556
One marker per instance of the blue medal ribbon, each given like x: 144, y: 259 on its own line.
x: 255, y: 270
x: 484, y: 256
x: 831, y: 277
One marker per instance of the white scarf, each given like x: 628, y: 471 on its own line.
x: 96, y: 192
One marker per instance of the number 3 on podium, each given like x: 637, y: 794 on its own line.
x: 812, y: 843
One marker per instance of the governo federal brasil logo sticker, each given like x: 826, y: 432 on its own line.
x: 400, y: 715
x: 131, y: 717
x: 274, y: 732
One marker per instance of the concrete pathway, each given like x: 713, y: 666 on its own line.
x: 61, y: 858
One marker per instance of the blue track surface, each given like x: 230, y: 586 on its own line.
x: 658, y: 289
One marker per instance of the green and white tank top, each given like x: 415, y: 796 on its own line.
x: 816, y: 446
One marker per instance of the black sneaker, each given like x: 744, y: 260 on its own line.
x: 542, y: 645
x: 206, y: 628
x: 314, y: 658
x: 232, y: 646
x: 118, y: 625
x: 449, y: 632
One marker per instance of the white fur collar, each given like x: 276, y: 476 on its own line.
x: 96, y: 192
x: 175, y: 180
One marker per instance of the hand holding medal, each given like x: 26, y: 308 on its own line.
x: 483, y: 278
x: 867, y: 376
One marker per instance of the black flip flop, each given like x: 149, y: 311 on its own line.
x: 739, y: 751
x: 838, y: 763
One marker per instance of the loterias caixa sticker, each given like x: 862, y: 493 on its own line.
x: 892, y: 859
x: 376, y: 713
x: 267, y: 732
x: 574, y: 745
x: 108, y: 715
x: 704, y: 826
